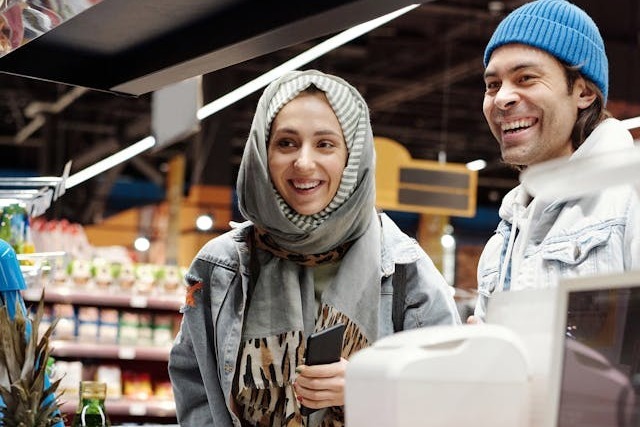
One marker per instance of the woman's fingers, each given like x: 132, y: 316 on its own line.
x: 321, y: 386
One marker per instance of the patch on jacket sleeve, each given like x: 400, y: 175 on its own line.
x: 191, y: 290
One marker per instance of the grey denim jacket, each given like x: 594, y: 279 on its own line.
x: 203, y: 358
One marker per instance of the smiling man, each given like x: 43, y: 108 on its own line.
x: 546, y: 78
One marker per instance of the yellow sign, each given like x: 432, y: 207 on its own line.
x: 423, y: 186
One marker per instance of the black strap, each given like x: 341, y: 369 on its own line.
x: 399, y: 293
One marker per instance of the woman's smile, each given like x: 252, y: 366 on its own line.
x: 307, y: 153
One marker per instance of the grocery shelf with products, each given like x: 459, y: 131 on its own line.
x: 116, y: 319
x: 115, y: 324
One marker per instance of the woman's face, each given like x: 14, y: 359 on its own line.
x: 307, y: 153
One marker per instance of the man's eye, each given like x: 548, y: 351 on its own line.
x: 491, y: 86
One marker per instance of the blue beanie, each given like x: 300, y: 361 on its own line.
x: 561, y: 29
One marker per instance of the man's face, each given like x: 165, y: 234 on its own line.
x: 528, y: 106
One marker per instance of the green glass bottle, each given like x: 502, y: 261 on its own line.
x: 91, y: 411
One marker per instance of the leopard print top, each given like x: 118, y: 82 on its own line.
x: 264, y: 241
x: 266, y: 371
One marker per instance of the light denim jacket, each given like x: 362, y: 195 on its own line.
x: 591, y: 235
x: 203, y: 358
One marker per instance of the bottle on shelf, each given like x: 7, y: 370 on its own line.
x: 91, y: 411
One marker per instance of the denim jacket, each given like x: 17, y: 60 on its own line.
x: 591, y: 235
x: 203, y: 358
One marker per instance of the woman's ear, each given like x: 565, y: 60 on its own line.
x: 584, y: 92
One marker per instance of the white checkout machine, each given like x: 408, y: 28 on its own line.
x: 567, y: 356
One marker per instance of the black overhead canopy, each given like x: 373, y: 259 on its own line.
x: 135, y: 47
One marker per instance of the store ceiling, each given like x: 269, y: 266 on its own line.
x: 421, y: 75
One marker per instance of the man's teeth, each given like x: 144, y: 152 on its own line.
x: 306, y: 185
x: 517, y: 124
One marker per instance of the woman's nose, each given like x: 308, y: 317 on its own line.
x: 304, y: 160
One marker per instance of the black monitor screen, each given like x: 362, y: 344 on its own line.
x: 600, y: 384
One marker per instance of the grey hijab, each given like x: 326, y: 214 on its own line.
x: 283, y: 298
x: 348, y: 215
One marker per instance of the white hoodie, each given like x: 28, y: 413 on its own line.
x: 538, y: 242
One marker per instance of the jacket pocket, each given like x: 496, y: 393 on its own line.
x: 574, y: 249
x: 488, y: 280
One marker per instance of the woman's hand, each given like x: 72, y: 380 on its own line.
x: 321, y: 386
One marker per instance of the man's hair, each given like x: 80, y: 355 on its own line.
x: 590, y: 117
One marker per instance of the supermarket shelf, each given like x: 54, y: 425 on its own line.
x: 84, y: 349
x: 35, y: 193
x: 131, y: 407
x: 100, y: 298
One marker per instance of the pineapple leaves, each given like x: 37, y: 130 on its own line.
x: 23, y: 364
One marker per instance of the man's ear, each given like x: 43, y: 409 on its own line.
x: 584, y: 93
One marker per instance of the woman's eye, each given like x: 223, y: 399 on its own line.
x: 325, y: 144
x: 285, y: 143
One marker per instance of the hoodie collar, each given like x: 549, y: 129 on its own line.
x: 608, y: 136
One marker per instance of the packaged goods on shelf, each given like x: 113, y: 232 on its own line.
x: 163, y: 329
x: 102, y: 274
x: 126, y: 277
x: 70, y: 374
x: 108, y: 326
x: 99, y: 275
x: 60, y: 236
x: 128, y: 328
x: 112, y: 375
x: 66, y: 327
x: 145, y: 329
x: 137, y: 385
x: 15, y: 228
x: 145, y: 278
x: 88, y: 323
x: 80, y: 273
x: 172, y: 279
x: 163, y: 390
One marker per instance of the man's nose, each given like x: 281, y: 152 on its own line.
x: 506, y: 97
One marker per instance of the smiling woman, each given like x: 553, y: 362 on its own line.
x: 307, y: 153
x: 314, y: 254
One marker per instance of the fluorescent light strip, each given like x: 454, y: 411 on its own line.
x: 241, y: 92
x: 111, y: 161
x: 631, y: 123
x: 298, y: 61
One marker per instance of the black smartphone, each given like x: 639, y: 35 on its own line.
x: 323, y: 347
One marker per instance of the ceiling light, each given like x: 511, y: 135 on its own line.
x: 204, y: 223
x: 142, y: 244
x: 477, y: 165
x: 111, y: 161
x: 242, y: 91
x: 298, y: 61
x: 448, y: 241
